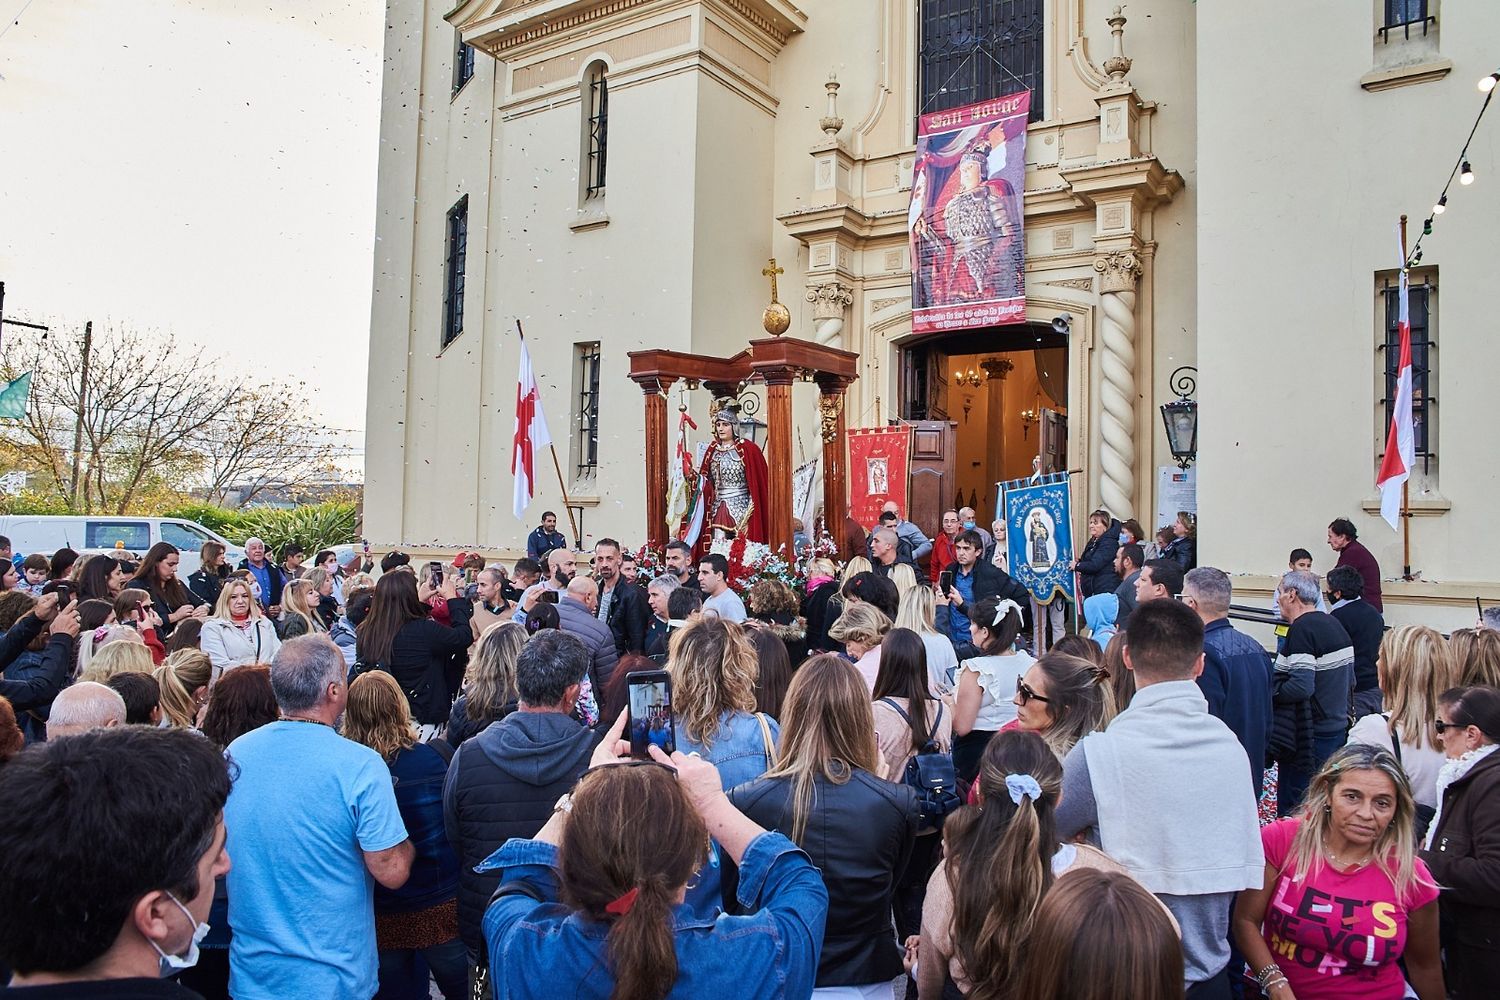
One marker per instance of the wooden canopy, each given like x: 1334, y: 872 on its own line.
x: 777, y: 362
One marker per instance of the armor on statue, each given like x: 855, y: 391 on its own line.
x: 735, y: 474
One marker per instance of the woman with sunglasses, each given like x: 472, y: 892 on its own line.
x: 986, y: 684
x: 1464, y: 846
x: 592, y: 907
x: 859, y: 830
x: 1344, y: 897
x: 1063, y: 698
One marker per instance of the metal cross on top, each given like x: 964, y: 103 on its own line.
x: 771, y: 272
x: 777, y: 318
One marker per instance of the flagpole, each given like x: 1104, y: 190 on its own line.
x: 1406, y: 485
x: 562, y: 486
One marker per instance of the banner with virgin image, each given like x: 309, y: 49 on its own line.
x: 1039, y: 537
x: 965, y: 223
x: 878, y: 460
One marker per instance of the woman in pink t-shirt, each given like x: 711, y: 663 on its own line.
x: 1345, y: 896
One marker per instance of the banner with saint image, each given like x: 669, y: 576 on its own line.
x: 1039, y: 537
x: 878, y: 460
x: 964, y: 224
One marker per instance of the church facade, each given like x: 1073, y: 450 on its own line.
x: 615, y: 174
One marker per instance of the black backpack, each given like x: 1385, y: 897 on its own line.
x: 931, y: 773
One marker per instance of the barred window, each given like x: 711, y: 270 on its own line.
x: 976, y: 50
x: 1420, y: 304
x: 588, y: 408
x: 463, y: 62
x: 1409, y: 16
x: 453, y: 270
x: 596, y: 124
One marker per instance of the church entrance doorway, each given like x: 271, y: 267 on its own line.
x: 1004, y: 390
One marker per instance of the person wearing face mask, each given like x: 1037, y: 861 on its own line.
x: 968, y: 520
x: 135, y: 912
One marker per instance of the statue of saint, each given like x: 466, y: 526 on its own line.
x: 1039, y: 534
x: 735, y: 474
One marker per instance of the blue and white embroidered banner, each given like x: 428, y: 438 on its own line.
x: 1039, y: 537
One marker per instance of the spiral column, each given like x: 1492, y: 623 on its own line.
x: 1120, y: 272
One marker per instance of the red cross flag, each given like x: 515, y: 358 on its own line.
x: 1400, y: 449
x: 531, y: 435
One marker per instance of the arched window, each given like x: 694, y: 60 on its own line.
x: 976, y: 50
x: 596, y: 129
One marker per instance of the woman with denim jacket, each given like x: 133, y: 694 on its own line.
x: 714, y: 668
x: 416, y: 926
x: 593, y: 907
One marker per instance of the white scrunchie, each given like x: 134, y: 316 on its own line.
x: 1003, y: 609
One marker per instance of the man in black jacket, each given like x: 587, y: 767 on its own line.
x: 1366, y: 627
x: 970, y: 579
x: 622, y: 605
x: 504, y: 782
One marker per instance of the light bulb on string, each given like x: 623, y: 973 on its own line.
x: 1427, y: 227
x: 1487, y: 84
x: 1441, y: 206
x: 1466, y: 175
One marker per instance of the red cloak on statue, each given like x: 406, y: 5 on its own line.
x: 756, y: 475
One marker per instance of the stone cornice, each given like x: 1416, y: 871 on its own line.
x: 500, y: 26
x: 1144, y: 178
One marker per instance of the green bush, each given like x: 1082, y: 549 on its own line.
x: 314, y: 526
x: 226, y: 522
x: 31, y: 502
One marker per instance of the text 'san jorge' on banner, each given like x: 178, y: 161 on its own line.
x: 878, y: 460
x: 965, y: 225
x: 1039, y: 538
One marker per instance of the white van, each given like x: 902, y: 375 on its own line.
x: 30, y: 533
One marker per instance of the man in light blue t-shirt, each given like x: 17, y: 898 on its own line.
x: 312, y: 825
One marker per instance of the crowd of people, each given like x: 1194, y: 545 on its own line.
x: 299, y: 778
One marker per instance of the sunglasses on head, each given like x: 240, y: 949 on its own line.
x: 1028, y: 695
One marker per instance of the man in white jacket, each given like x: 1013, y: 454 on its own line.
x: 1167, y: 792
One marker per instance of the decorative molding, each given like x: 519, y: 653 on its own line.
x: 1121, y: 270
x: 1082, y: 284
x: 830, y: 300
x: 879, y: 304
x: 830, y: 405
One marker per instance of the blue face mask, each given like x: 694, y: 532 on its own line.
x: 172, y: 964
x: 969, y: 525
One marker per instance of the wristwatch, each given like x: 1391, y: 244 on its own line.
x: 564, y: 803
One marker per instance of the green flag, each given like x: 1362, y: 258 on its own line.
x: 13, y: 398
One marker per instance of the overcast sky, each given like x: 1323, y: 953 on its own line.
x: 205, y: 167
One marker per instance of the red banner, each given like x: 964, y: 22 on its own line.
x: 878, y: 463
x: 965, y: 222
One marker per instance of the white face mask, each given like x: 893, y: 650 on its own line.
x: 171, y: 964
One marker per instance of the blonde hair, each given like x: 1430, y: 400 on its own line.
x: 357, y: 581
x: 1394, y: 851
x: 822, y: 567
x: 714, y: 668
x: 118, y: 657
x: 317, y: 576
x: 294, y: 602
x: 490, y: 680
x: 377, y: 715
x: 917, y: 611
x: 827, y: 730
x: 1414, y: 668
x: 861, y: 622
x: 183, y: 673
x: 1476, y: 657
x: 226, y: 593
x: 859, y: 564
x: 904, y: 577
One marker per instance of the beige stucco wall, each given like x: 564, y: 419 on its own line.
x: 705, y: 154
x: 1303, y: 178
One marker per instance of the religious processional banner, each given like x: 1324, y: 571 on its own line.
x: 1039, y: 536
x: 878, y: 460
x: 965, y: 224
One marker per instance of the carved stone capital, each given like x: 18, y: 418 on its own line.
x: 829, y: 408
x: 1119, y: 270
x: 830, y: 300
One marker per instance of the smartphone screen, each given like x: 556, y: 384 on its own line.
x: 435, y: 573
x: 651, y: 712
x: 548, y: 597
x: 945, y: 582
